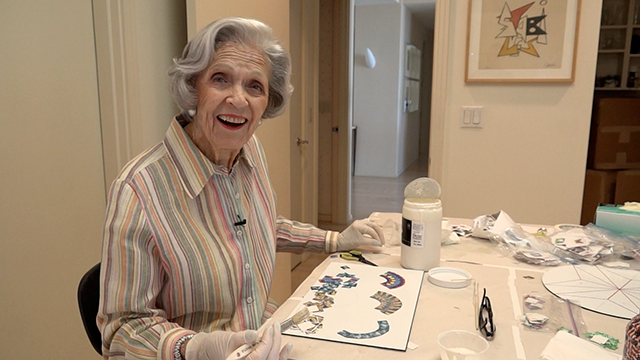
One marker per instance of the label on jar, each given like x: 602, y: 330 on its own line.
x: 412, y: 233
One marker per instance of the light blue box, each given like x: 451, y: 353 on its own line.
x: 616, y: 219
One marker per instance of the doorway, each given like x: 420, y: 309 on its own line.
x: 375, y: 187
x: 338, y: 149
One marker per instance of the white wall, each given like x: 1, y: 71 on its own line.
x: 376, y: 91
x: 52, y: 187
x: 387, y: 138
x: 52, y: 181
x: 136, y: 43
x: 530, y: 157
x: 161, y: 35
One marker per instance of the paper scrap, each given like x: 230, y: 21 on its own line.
x: 599, y: 339
x: 616, y: 264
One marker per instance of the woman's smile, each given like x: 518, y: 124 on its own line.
x: 232, y: 122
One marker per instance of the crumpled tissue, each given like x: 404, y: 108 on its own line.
x: 631, y: 206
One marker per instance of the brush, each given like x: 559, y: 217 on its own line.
x: 245, y: 349
x: 296, y: 319
x: 475, y: 302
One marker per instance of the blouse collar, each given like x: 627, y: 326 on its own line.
x: 194, y: 168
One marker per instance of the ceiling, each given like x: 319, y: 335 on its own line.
x: 425, y: 11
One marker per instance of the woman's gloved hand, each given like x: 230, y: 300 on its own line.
x: 218, y: 345
x: 354, y: 235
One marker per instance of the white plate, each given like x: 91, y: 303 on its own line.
x: 449, y: 277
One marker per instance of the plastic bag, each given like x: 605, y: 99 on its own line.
x: 589, y: 244
x: 547, y: 313
x: 525, y: 247
x: 482, y: 225
x: 623, y: 245
x: 593, y: 244
x: 392, y: 233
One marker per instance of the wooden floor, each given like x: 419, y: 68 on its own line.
x: 368, y: 194
x: 300, y: 272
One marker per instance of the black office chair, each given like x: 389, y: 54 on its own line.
x: 88, y: 301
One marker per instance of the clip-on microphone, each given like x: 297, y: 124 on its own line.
x: 242, y: 222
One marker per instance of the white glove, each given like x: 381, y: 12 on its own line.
x: 218, y: 345
x: 354, y: 235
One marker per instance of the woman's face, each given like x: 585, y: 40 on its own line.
x: 233, y: 93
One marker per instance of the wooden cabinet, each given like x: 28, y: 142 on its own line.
x: 619, y: 47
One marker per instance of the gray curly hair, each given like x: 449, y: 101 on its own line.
x: 201, y: 50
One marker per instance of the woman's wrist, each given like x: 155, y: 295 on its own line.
x: 181, y: 347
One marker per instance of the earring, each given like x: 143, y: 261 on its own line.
x: 191, y: 112
x: 260, y: 122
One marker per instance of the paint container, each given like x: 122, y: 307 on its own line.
x: 421, y: 225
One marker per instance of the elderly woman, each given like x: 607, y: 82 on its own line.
x: 191, y: 228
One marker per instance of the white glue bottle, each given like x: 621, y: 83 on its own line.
x: 421, y: 225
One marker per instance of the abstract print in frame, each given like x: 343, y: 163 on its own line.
x: 522, y: 40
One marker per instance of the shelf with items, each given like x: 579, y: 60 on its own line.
x: 612, y: 27
x: 634, y: 45
x: 619, y: 46
x: 612, y: 39
x: 609, y: 70
x: 615, y: 12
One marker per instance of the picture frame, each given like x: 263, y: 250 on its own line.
x: 522, y: 41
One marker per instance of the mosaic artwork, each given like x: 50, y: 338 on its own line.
x: 350, y: 304
x: 388, y: 302
x: 392, y: 280
x: 383, y: 328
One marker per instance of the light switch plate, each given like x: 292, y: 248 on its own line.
x: 472, y: 116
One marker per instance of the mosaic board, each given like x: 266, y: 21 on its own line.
x: 361, y: 304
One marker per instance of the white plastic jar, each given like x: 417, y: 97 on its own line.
x: 421, y: 232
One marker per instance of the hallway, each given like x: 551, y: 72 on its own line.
x: 381, y: 194
x: 368, y: 194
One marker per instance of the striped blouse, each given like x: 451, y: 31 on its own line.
x: 189, y: 246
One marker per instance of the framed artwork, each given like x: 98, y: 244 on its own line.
x: 522, y: 40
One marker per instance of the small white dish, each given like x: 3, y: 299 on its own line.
x: 458, y: 344
x: 449, y: 277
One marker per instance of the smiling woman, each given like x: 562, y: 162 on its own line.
x: 191, y: 230
x: 228, y: 87
x: 232, y: 97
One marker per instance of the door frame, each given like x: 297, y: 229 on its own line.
x: 304, y: 104
x: 342, y: 105
x: 440, y: 71
x: 309, y: 110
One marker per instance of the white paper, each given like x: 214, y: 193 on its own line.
x: 564, y: 346
x: 376, y: 308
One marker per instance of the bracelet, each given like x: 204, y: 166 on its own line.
x: 176, y: 349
